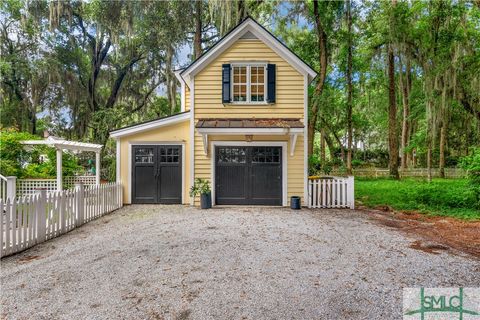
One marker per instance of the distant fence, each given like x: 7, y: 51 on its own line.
x: 31, y: 219
x: 331, y: 192
x: 416, y: 172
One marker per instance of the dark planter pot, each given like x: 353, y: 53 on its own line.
x: 206, y: 200
x: 295, y: 203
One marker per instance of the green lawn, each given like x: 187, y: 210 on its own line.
x: 444, y: 197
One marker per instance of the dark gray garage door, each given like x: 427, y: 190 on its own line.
x: 157, y: 174
x: 248, y: 175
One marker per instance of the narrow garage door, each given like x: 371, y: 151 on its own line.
x: 157, y: 174
x: 248, y: 175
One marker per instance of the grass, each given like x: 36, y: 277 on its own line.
x: 442, y: 197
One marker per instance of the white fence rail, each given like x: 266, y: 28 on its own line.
x: 331, y: 192
x: 32, y: 219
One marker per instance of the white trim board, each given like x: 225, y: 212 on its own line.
x: 282, y: 144
x: 182, y: 88
x: 117, y: 161
x: 153, y: 143
x: 192, y: 137
x: 151, y: 125
x: 248, y: 25
x: 305, y: 141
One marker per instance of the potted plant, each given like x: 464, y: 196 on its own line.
x: 202, y: 187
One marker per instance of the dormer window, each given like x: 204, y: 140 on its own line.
x: 248, y: 83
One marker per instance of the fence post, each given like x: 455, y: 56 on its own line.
x: 80, y: 203
x: 11, y: 187
x: 41, y: 216
x: 350, y: 192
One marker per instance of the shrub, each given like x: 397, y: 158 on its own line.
x: 471, y: 164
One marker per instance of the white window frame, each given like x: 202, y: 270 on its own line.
x: 248, y: 65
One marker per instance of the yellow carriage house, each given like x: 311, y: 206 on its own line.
x: 242, y: 127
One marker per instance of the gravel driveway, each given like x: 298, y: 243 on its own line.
x: 175, y: 262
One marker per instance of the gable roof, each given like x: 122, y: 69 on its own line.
x: 148, y: 125
x: 248, y: 28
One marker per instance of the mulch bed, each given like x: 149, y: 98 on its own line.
x: 438, y: 233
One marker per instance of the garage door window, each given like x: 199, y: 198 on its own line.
x: 231, y: 155
x: 169, y: 155
x: 265, y: 155
x: 144, y: 155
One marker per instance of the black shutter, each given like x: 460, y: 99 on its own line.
x: 271, y: 75
x: 226, y: 83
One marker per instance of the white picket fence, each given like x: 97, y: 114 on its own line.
x: 31, y: 219
x: 331, y: 192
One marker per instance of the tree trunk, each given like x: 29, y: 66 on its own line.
x: 443, y: 141
x: 170, y: 80
x: 349, y: 89
x: 197, y: 42
x: 331, y: 147
x: 322, y: 48
x: 429, y: 160
x: 392, y: 117
x: 322, y: 145
x: 405, y: 85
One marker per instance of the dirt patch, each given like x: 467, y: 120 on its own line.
x: 428, y: 247
x: 445, y: 232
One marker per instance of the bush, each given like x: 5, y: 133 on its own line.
x: 357, y: 163
x: 13, y: 155
x: 471, y: 164
x: 316, y: 167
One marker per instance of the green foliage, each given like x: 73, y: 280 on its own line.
x: 12, y: 153
x: 471, y: 164
x: 317, y: 167
x: 23, y: 162
x: 200, y: 186
x: 450, y: 197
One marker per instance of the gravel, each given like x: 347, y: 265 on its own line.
x: 176, y: 262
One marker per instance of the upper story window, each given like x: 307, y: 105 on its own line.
x: 248, y: 83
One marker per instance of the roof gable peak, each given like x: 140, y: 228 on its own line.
x: 247, y: 28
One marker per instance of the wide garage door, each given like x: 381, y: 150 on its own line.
x: 157, y: 174
x: 248, y: 175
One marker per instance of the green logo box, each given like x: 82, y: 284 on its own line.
x: 441, y: 303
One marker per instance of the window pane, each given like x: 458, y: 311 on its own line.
x: 144, y: 155
x: 254, y: 71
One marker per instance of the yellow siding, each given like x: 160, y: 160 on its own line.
x: 179, y: 132
x: 289, y: 104
x: 187, y: 98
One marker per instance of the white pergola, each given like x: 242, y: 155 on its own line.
x: 61, y: 144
